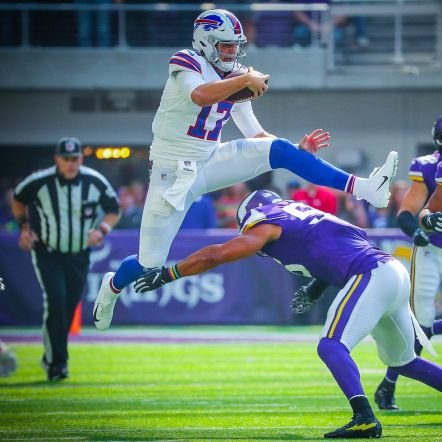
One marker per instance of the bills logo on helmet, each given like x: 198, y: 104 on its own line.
x: 209, y: 23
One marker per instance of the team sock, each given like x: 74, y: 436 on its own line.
x: 360, y: 404
x: 129, y: 271
x: 342, y: 366
x: 286, y: 155
x: 437, y: 327
x: 424, y: 371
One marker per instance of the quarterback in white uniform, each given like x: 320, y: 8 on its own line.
x: 188, y: 158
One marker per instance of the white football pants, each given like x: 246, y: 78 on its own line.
x: 426, y: 269
x: 231, y: 163
x: 375, y: 302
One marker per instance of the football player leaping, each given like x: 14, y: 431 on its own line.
x: 189, y: 160
x: 373, y: 296
x: 426, y: 259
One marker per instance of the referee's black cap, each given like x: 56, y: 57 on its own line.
x: 68, y: 147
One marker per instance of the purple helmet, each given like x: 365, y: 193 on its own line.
x: 437, y: 133
x: 258, y: 198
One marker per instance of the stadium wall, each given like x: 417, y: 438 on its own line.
x: 253, y: 291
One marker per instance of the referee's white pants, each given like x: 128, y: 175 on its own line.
x: 426, y: 269
x: 232, y: 163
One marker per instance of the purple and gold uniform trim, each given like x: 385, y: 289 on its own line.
x: 347, y: 305
x: 413, y: 277
x: 416, y: 176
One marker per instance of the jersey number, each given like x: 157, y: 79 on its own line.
x: 302, y: 212
x: 198, y: 131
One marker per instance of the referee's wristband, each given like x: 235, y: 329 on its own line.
x: 104, y: 228
x: 169, y: 274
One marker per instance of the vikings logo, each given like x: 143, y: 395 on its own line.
x: 209, y: 22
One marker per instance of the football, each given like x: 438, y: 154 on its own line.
x: 244, y: 94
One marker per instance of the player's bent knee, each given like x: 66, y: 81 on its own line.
x: 324, y: 347
x: 329, y: 346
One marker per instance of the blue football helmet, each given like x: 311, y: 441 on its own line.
x: 218, y: 26
x: 258, y: 198
x: 437, y: 133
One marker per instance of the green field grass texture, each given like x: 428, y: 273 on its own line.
x: 210, y: 392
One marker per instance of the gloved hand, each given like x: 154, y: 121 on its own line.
x: 307, y: 295
x: 155, y: 278
x: 420, y: 238
x: 151, y: 280
x: 433, y: 221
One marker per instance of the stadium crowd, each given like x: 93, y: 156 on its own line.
x: 99, y: 27
x: 218, y: 209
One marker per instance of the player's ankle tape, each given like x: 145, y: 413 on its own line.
x: 170, y: 274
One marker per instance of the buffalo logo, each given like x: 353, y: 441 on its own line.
x: 164, y: 176
x: 209, y: 22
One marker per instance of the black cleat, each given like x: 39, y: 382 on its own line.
x: 362, y: 426
x: 384, y: 397
x: 57, y: 373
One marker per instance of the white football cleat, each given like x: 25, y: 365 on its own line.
x: 105, y: 303
x: 379, y: 181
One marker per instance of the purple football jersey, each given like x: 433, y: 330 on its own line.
x: 329, y: 248
x: 426, y: 169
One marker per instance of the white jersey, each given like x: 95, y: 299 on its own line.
x: 185, y: 131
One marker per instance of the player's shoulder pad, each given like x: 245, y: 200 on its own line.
x: 254, y: 217
x: 417, y: 166
x: 186, y: 60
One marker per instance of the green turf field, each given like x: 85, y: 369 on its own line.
x: 214, y: 391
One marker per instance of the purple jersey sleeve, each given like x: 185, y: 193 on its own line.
x: 438, y: 176
x: 423, y: 170
x: 315, y: 243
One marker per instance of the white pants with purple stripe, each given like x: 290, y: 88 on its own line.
x: 233, y: 162
x: 375, y: 303
x: 426, y: 272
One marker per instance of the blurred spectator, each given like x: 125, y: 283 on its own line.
x: 318, y: 197
x: 201, y: 215
x: 352, y: 210
x: 138, y: 190
x: 308, y: 27
x: 7, y: 220
x: 271, y: 28
x: 227, y: 204
x: 387, y: 217
x: 291, y: 187
x: 131, y: 213
x: 101, y: 18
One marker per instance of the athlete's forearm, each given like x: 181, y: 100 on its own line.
x: 216, y: 91
x: 201, y: 261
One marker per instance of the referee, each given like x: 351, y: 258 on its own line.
x: 62, y: 211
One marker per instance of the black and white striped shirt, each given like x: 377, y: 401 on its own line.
x: 62, y: 212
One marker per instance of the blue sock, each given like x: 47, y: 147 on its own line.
x: 337, y: 358
x: 129, y: 271
x: 285, y: 155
